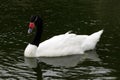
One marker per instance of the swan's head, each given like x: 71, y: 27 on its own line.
x: 35, y: 21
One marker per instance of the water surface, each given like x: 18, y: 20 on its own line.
x: 60, y: 16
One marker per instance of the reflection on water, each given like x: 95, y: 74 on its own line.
x: 33, y: 63
x: 71, y: 60
x: 68, y: 67
x: 63, y: 61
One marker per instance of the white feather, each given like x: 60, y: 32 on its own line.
x: 30, y: 51
x: 91, y: 41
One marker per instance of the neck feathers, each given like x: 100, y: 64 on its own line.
x: 39, y: 30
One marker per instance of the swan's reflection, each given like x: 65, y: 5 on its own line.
x: 66, y: 61
x: 33, y: 63
x: 71, y: 60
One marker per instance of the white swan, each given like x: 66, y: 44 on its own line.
x: 60, y: 45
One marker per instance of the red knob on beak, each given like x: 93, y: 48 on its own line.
x: 31, y: 25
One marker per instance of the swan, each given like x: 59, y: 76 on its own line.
x: 59, y: 45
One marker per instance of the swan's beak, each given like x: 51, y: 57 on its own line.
x: 30, y: 30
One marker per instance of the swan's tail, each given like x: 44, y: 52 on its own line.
x: 91, y: 41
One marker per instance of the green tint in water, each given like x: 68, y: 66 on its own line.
x: 60, y: 16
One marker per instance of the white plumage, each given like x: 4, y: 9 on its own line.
x: 64, y: 44
x: 30, y: 51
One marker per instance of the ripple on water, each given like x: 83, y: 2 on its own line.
x: 12, y: 67
x: 90, y: 72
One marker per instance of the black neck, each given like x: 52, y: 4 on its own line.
x: 38, y: 34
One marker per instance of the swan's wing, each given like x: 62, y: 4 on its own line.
x: 60, y: 45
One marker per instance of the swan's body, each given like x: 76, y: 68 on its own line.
x: 61, y: 45
x: 64, y: 44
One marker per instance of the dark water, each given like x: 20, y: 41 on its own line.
x: 60, y: 16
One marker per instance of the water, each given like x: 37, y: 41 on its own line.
x: 60, y: 16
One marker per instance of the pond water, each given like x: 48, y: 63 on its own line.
x: 60, y: 16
